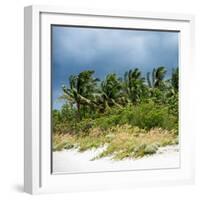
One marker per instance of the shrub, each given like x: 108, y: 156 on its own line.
x: 151, y: 149
x: 108, y: 121
x: 145, y: 116
x: 149, y: 115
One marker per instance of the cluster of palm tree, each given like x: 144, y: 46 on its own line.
x: 88, y: 94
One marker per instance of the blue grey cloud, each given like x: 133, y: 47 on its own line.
x: 75, y: 49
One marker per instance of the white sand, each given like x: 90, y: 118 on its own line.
x: 71, y: 161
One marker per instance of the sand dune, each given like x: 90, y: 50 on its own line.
x: 71, y: 161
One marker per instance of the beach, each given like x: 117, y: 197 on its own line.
x: 72, y: 161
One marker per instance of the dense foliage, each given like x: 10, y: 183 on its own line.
x: 134, y: 100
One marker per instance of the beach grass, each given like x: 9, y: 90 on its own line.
x: 119, y: 142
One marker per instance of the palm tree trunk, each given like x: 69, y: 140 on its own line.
x: 78, y: 111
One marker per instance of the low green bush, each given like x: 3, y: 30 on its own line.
x: 145, y: 116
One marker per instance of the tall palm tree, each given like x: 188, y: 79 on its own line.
x: 157, y: 77
x: 81, y: 90
x: 172, y: 92
x: 134, y: 85
x: 111, y: 90
x: 175, y: 79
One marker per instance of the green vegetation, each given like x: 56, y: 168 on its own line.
x: 129, y: 117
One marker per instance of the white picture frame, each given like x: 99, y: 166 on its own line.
x: 37, y: 138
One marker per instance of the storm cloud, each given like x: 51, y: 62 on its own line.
x: 75, y: 49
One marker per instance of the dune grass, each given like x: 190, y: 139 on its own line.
x: 120, y: 142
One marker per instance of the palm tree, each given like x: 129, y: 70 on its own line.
x: 157, y: 77
x: 158, y: 85
x: 172, y: 92
x: 134, y: 85
x: 81, y: 90
x: 111, y: 90
x: 174, y: 79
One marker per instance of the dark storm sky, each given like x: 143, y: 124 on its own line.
x: 108, y: 51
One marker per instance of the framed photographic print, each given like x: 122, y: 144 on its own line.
x: 107, y: 99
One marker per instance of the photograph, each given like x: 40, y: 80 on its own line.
x: 114, y: 99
